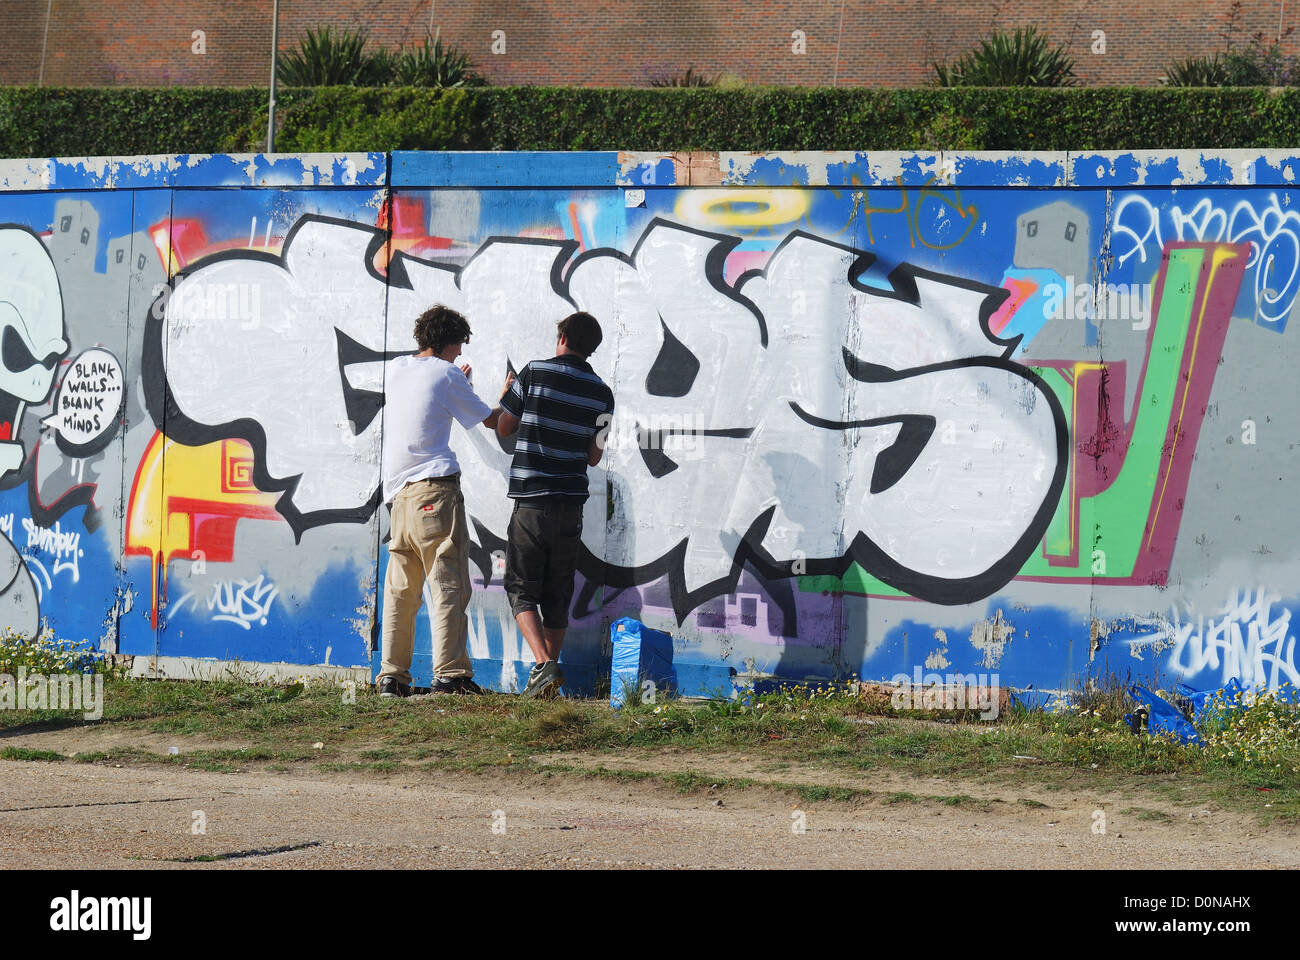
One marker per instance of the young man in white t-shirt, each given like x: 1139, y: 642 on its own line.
x: 429, y: 539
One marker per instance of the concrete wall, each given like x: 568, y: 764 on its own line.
x: 1031, y: 415
x: 578, y: 42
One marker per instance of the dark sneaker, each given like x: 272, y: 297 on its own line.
x: 389, y: 687
x: 536, y: 667
x: 544, y: 681
x: 458, y: 685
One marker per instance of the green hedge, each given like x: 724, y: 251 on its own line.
x: 53, y: 122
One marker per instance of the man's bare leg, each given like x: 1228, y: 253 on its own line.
x: 530, y: 625
x: 544, y: 642
x: 554, y: 640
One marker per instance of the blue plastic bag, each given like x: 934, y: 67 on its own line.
x: 1286, y: 692
x: 1049, y: 701
x: 1231, y: 695
x: 1163, y: 716
x: 641, y: 655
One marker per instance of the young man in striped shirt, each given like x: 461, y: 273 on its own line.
x: 560, y: 409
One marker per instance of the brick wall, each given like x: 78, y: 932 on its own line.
x: 613, y: 42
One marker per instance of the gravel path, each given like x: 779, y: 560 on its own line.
x: 61, y: 815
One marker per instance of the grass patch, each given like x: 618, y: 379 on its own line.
x: 821, y: 727
x: 900, y: 797
x: 22, y: 753
x: 353, y: 766
x: 815, y: 794
x: 119, y: 755
x: 692, y: 782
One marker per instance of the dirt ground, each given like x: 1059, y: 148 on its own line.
x: 70, y: 815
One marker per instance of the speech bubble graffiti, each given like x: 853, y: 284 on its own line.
x: 88, y: 403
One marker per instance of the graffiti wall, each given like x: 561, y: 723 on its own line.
x: 1030, y: 414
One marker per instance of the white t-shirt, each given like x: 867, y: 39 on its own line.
x: 422, y: 394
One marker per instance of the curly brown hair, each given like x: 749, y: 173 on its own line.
x: 439, y: 327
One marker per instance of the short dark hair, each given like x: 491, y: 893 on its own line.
x: 439, y: 327
x: 582, y: 332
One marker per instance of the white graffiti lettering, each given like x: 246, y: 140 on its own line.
x: 243, y: 602
x: 807, y: 399
x: 288, y: 371
x: 1245, y: 640
x: 63, y: 545
x: 1273, y: 235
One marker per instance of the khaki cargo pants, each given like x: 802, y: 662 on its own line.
x: 429, y: 542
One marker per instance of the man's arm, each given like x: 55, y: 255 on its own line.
x: 507, y: 424
x: 597, y: 448
x: 511, y: 397
x: 491, y: 420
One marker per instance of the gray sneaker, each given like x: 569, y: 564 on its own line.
x: 544, y: 681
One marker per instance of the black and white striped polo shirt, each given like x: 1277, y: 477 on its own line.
x: 560, y: 404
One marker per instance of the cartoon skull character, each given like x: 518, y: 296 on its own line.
x: 31, y: 334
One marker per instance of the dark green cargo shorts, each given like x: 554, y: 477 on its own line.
x: 543, y: 541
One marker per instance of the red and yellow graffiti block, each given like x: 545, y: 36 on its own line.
x: 186, y: 502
